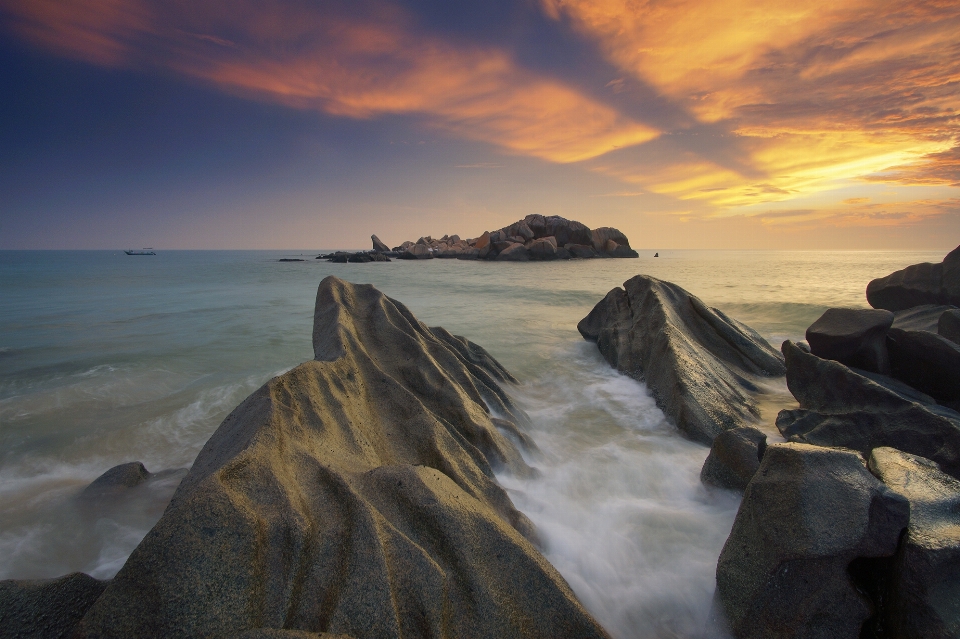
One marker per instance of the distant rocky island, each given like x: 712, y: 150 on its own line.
x: 534, y: 238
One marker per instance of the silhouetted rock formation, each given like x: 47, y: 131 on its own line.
x: 840, y: 406
x: 352, y: 495
x: 44, y: 608
x: 734, y: 458
x: 378, y: 246
x: 698, y: 362
x: 918, y: 284
x: 853, y: 336
x: 806, y: 515
x: 922, y: 596
x: 534, y: 238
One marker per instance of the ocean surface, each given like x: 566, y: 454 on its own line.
x: 107, y: 358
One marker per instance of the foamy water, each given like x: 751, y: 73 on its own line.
x: 106, y: 358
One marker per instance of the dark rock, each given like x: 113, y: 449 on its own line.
x: 339, y: 258
x: 565, y: 231
x: 806, y: 515
x: 928, y: 362
x: 922, y: 599
x: 853, y: 336
x: 352, y: 495
x: 46, y: 608
x: 581, y: 250
x: 469, y: 254
x: 698, y: 362
x: 290, y: 259
x: 948, y: 326
x: 513, y: 253
x: 360, y: 258
x: 599, y: 238
x: 417, y: 252
x: 378, y: 246
x: 542, y: 250
x: 616, y: 250
x: 918, y: 284
x: 843, y: 407
x: 273, y: 633
x: 734, y: 458
x: 117, y: 478
x: 501, y: 245
x: 563, y: 254
x: 920, y: 318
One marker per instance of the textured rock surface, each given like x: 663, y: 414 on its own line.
x: 352, y: 495
x: 852, y: 336
x: 926, y: 361
x: 948, y: 325
x: 117, y: 478
x: 805, y: 516
x: 734, y: 458
x: 918, y: 284
x: 923, y: 597
x: 46, y: 608
x: 379, y: 246
x: 920, y: 318
x: 843, y: 407
x: 513, y: 253
x: 698, y: 362
x: 416, y: 252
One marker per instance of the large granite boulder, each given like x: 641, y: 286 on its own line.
x: 806, y: 515
x: 734, y: 458
x: 922, y: 598
x: 378, y: 246
x: 543, y: 249
x: 513, y: 252
x: 926, y: 361
x: 352, y: 495
x: 853, y: 336
x: 417, y: 252
x: 918, y: 284
x: 699, y: 363
x: 581, y: 250
x: 46, y: 608
x: 840, y: 406
x: 948, y: 325
x: 920, y: 318
x: 601, y: 236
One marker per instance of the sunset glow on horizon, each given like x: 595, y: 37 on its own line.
x: 687, y: 124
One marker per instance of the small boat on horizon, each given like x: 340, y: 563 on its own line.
x: 145, y: 251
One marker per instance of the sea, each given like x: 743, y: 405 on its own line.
x: 107, y: 358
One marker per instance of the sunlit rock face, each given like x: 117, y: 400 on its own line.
x: 352, y: 495
x: 698, y: 362
x: 918, y: 284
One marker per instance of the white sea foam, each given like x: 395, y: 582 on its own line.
x: 619, y: 503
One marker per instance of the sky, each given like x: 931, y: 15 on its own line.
x: 261, y: 124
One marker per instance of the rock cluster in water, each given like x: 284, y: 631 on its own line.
x: 534, y: 238
x: 852, y: 527
x: 353, y: 495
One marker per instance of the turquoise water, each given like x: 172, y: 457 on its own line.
x: 107, y: 358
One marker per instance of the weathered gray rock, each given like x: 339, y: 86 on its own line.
x: 734, y: 458
x: 918, y: 284
x: 928, y: 362
x: 581, y: 250
x: 806, y: 515
x: 843, y: 407
x: 542, y: 249
x: 352, y: 495
x: 46, y: 608
x: 515, y: 252
x: 379, y: 246
x: 117, y: 478
x: 853, y: 336
x: 417, y: 252
x: 698, y: 362
x: 948, y: 325
x: 923, y: 597
x: 920, y: 318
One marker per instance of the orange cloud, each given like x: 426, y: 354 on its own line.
x: 890, y: 214
x: 300, y: 55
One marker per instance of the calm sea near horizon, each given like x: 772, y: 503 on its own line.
x: 107, y: 358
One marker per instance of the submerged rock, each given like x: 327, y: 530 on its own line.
x: 918, y: 284
x: 123, y: 476
x: 922, y: 598
x: 734, y: 458
x: 806, y: 515
x: 699, y: 363
x: 852, y: 336
x: 45, y: 608
x: 352, y: 495
x: 840, y: 406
